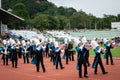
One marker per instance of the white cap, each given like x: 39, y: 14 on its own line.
x: 4, y: 41
x: 28, y: 42
x: 13, y: 42
x: 53, y: 40
x: 50, y: 39
x: 84, y: 40
x: 94, y: 44
x: 105, y: 40
x: 23, y: 43
x: 77, y: 41
x: 18, y: 42
x: 37, y: 42
x: 69, y: 38
x: 65, y: 40
x: 56, y: 44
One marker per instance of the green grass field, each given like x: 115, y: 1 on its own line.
x: 115, y: 52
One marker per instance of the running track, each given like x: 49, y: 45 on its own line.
x: 28, y: 71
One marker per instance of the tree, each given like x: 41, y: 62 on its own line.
x: 118, y: 17
x: 41, y: 21
x: 20, y: 10
x: 108, y: 19
x: 62, y: 22
x: 54, y: 22
x: 80, y: 20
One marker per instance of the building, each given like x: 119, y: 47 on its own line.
x: 115, y: 25
x: 7, y: 18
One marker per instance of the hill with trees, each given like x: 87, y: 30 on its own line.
x: 43, y: 15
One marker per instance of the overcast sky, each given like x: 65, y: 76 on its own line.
x: 95, y: 7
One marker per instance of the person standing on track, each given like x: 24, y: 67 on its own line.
x: 39, y: 58
x: 81, y: 60
x: 97, y: 59
x: 14, y: 55
x: 108, y: 53
x: 58, y: 56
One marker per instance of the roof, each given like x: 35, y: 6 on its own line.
x: 9, y: 18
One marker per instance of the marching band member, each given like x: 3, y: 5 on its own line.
x: 25, y: 52
x: 44, y: 47
x: 39, y: 58
x: 47, y: 48
x: 86, y: 52
x: 71, y: 51
x: 86, y: 49
x: 81, y: 60
x: 14, y: 56
x: 66, y: 54
x: 32, y: 48
x: 97, y: 59
x: 108, y: 53
x: 19, y: 50
x: 5, y: 52
x: 51, y: 49
x: 58, y: 57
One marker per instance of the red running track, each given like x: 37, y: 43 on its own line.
x: 28, y: 71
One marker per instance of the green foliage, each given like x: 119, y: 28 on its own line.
x: 20, y: 10
x: 82, y: 19
x: 41, y: 21
x: 54, y: 23
x: 62, y: 21
x: 57, y: 17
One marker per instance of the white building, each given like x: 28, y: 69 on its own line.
x: 115, y: 25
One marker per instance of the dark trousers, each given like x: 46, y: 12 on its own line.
x: 67, y: 57
x: 5, y: 59
x: 87, y: 61
x: 20, y: 54
x: 47, y: 53
x: 60, y: 63
x: 107, y: 57
x: 71, y: 54
x: 14, y: 63
x: 101, y: 66
x: 38, y: 63
x: 80, y: 63
x: 26, y: 57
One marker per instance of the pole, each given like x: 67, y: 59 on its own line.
x: 0, y: 26
x: 0, y: 4
x: 95, y: 25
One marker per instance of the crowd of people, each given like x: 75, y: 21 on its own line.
x: 37, y: 50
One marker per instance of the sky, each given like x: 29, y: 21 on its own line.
x: 96, y: 7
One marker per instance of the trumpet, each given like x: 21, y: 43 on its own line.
x: 102, y: 50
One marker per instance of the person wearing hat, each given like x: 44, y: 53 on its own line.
x: 5, y: 54
x: 25, y: 53
x: 47, y: 48
x: 71, y: 51
x: 97, y: 59
x: 86, y: 52
x: 108, y: 53
x: 14, y: 55
x: 57, y: 52
x: 66, y: 53
x: 51, y: 50
x: 81, y: 60
x: 39, y: 58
